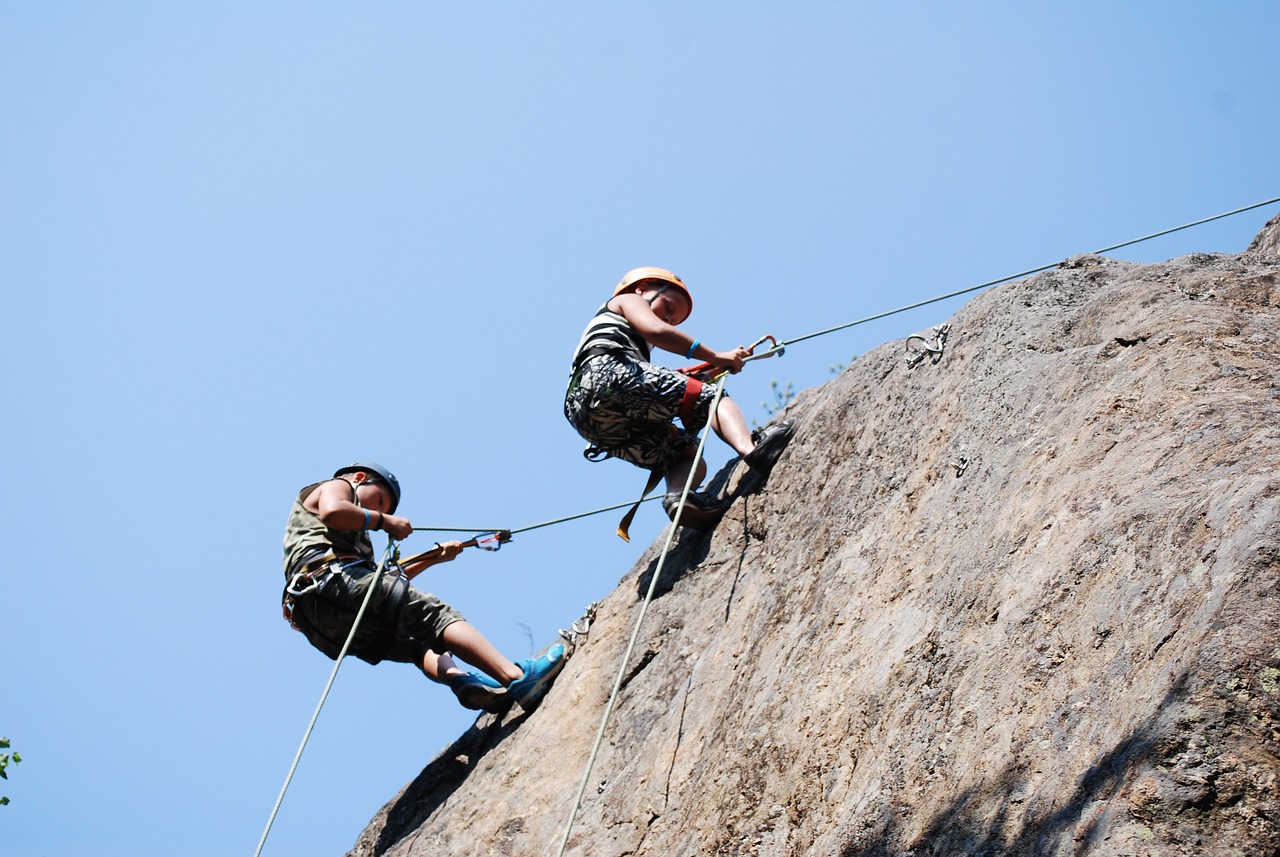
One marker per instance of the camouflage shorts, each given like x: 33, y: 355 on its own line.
x: 626, y: 408
x: 327, y: 616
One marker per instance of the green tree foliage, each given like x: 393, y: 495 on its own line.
x: 5, y: 760
x: 782, y: 396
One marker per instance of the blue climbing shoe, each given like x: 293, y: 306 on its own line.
x: 538, y: 674
x: 479, y: 692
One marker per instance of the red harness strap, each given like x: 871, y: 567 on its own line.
x: 692, y: 389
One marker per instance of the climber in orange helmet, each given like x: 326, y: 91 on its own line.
x: 624, y: 406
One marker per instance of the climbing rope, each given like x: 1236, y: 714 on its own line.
x: 644, y: 608
x: 377, y: 577
x: 532, y: 526
x: 777, y: 349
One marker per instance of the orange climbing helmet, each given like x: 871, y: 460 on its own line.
x: 638, y: 275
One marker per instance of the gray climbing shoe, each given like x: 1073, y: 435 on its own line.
x: 701, y: 511
x: 770, y: 442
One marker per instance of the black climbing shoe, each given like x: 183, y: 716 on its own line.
x: 770, y: 442
x: 701, y: 512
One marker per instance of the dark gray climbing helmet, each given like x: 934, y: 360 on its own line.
x: 381, y: 474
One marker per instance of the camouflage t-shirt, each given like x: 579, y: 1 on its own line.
x: 305, y: 533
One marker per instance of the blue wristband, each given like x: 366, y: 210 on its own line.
x: 693, y: 348
x: 366, y: 519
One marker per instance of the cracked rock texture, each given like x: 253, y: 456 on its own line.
x: 1023, y: 600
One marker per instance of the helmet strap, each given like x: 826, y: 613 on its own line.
x: 653, y: 297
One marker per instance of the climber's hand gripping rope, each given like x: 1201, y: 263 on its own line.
x: 490, y: 541
x: 709, y: 372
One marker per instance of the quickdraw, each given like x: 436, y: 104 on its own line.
x: 932, y: 350
x: 577, y: 633
x: 490, y: 541
x: 703, y: 371
x: 313, y: 575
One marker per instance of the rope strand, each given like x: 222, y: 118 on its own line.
x: 777, y: 349
x: 533, y: 526
x: 781, y: 346
x: 644, y: 608
x: 306, y: 736
x: 702, y: 442
x: 996, y: 282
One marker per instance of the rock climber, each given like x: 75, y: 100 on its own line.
x: 624, y: 405
x: 329, y: 566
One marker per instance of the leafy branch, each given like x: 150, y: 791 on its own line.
x: 782, y: 396
x: 5, y: 760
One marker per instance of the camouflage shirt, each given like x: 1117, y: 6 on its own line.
x: 306, y: 534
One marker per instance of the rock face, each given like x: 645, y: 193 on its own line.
x: 1023, y: 600
x: 1267, y: 242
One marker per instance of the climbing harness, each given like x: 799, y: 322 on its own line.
x: 310, y: 577
x: 624, y: 525
x: 635, y: 634
x: 698, y: 376
x: 309, y: 582
x: 704, y: 373
x: 388, y: 556
x: 918, y: 348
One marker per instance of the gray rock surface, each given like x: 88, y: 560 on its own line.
x: 1267, y: 241
x: 1024, y: 600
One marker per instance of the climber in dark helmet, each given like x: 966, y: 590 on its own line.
x: 329, y: 566
x: 624, y: 406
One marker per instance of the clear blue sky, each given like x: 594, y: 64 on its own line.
x: 242, y: 244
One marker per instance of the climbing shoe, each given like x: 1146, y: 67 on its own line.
x: 478, y: 692
x: 539, y: 672
x: 770, y: 442
x: 701, y: 511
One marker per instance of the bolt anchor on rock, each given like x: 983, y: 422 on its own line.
x: 919, y: 347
